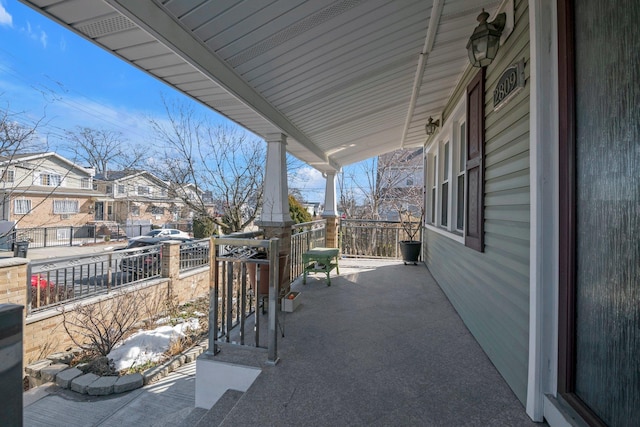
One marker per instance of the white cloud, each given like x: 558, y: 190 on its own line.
x: 5, y: 17
x: 43, y: 38
x: 310, y: 182
x: 38, y: 34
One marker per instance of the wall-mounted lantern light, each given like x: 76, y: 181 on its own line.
x: 431, y: 126
x: 484, y: 43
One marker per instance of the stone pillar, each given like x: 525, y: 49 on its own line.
x: 13, y: 281
x: 170, y: 267
x: 330, y: 213
x: 275, y: 220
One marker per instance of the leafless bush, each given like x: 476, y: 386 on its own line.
x: 152, y: 304
x: 97, y: 328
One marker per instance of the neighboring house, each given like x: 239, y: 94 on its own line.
x: 400, y: 181
x: 314, y: 208
x: 45, y: 189
x: 134, y: 195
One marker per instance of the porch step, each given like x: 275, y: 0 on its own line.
x: 219, y: 411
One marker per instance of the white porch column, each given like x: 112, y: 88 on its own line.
x: 330, y: 204
x: 275, y: 206
x: 330, y: 213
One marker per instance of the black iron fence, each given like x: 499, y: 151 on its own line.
x: 194, y: 254
x: 70, y: 235
x: 56, y: 281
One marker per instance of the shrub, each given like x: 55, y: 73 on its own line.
x: 203, y: 226
x: 298, y: 213
x: 97, y: 328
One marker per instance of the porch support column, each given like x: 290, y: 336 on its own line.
x: 275, y: 220
x: 330, y: 213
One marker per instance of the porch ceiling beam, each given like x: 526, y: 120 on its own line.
x: 151, y: 17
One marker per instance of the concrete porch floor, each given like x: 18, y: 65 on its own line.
x: 381, y: 346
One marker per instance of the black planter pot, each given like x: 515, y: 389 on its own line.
x: 410, y: 251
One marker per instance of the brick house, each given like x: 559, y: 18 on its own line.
x: 45, y: 189
x: 136, y: 195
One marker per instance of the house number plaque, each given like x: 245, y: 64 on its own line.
x: 509, y: 85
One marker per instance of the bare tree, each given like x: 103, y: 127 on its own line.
x: 386, y: 184
x: 19, y: 136
x: 16, y: 137
x: 221, y: 160
x: 103, y: 148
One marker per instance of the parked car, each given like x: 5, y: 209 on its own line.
x: 146, y: 262
x: 164, y: 232
x: 39, y: 281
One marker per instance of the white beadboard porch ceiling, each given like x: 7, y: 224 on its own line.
x: 345, y: 80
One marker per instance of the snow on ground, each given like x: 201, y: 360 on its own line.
x: 148, y: 345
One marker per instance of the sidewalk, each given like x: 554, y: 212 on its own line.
x: 67, y: 251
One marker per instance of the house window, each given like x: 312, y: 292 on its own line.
x: 143, y: 190
x: 63, y: 207
x: 444, y: 194
x: 120, y: 188
x: 50, y: 179
x: 462, y: 165
x: 434, y: 192
x: 21, y: 206
x: 447, y: 159
x: 157, y: 210
x: 85, y: 183
x: 8, y: 175
x: 135, y: 210
x: 108, y: 189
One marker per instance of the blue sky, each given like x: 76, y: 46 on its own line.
x: 51, y: 73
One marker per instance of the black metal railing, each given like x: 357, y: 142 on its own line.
x: 194, y: 254
x: 305, y: 236
x: 53, y: 282
x: 371, y: 238
x: 70, y: 235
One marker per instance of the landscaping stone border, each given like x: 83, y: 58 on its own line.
x: 55, y: 368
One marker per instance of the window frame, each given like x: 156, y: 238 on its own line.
x: 69, y: 206
x: 157, y: 210
x: 49, y: 179
x: 15, y: 206
x: 445, y: 177
x: 460, y: 126
x: 8, y: 176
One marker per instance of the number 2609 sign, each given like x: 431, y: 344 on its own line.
x: 510, y: 83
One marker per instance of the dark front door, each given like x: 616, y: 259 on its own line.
x: 99, y: 211
x: 600, y: 213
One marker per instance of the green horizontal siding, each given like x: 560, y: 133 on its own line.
x: 490, y: 290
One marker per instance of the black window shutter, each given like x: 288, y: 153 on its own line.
x: 474, y: 230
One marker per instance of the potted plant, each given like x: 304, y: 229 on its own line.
x: 411, y: 225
